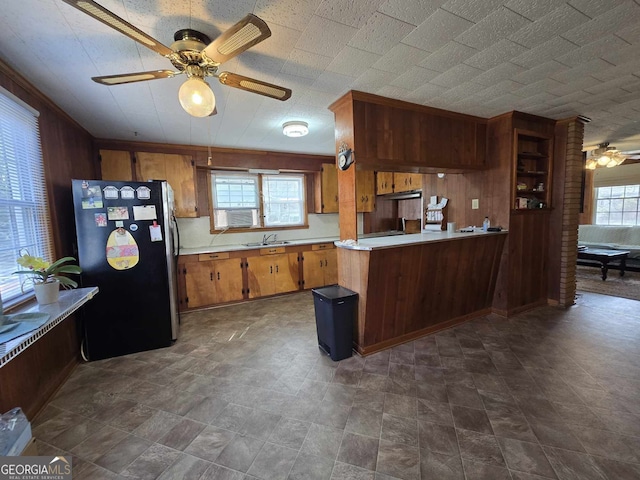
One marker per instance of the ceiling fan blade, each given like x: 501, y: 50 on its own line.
x: 134, y: 77
x: 255, y: 86
x: 103, y: 15
x: 241, y: 36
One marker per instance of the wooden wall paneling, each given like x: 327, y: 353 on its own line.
x: 399, y: 136
x: 68, y: 152
x: 586, y: 217
x: 229, y: 158
x: 383, y: 218
x: 203, y: 188
x: 414, y: 289
x: 411, y: 209
x: 556, y: 215
x: 353, y: 269
x: 31, y: 378
x: 499, y: 162
x: 343, y: 110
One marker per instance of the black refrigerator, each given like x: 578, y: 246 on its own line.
x: 125, y: 238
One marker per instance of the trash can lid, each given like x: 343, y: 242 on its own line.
x: 334, y: 292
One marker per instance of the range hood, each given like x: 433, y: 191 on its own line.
x: 402, y: 195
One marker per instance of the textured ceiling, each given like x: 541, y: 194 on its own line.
x: 482, y: 57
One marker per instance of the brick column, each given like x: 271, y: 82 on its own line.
x: 571, y: 212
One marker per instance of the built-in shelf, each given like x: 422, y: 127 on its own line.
x: 531, y: 177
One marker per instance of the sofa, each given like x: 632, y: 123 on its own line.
x: 614, y: 238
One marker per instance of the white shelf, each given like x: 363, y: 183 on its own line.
x: 70, y: 301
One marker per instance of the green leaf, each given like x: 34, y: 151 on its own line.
x: 66, y: 281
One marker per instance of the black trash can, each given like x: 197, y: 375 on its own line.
x: 335, y: 308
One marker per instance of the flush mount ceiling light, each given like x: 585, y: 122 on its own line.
x: 295, y: 128
x: 605, y: 156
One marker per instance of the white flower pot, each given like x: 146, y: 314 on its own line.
x: 47, y: 292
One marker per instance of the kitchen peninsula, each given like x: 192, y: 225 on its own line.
x: 415, y: 284
x: 408, y: 290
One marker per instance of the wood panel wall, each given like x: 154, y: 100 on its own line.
x: 460, y: 189
x: 32, y: 377
x: 392, y: 135
x: 409, y: 291
x: 227, y: 159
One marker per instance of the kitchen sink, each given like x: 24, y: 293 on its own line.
x: 266, y: 244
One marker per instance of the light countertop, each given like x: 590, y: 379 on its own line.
x: 240, y: 246
x: 378, y: 243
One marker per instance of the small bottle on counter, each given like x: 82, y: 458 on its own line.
x: 486, y: 224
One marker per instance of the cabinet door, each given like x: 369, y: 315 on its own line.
x: 407, y: 181
x: 199, y: 285
x: 178, y: 170
x: 260, y: 273
x: 365, y: 191
x: 384, y: 183
x: 329, y: 200
x: 116, y: 165
x: 286, y: 272
x: 227, y: 277
x: 313, y: 269
x: 331, y: 267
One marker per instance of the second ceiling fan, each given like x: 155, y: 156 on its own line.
x: 195, y: 55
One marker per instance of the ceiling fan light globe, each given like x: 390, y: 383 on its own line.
x: 196, y: 97
x: 591, y: 164
x: 603, y: 160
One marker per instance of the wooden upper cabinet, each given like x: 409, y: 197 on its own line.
x: 389, y: 182
x: 384, y: 183
x: 116, y: 165
x: 327, y: 200
x: 327, y: 189
x: 178, y: 170
x: 365, y: 191
x: 404, y: 182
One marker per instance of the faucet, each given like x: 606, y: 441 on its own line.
x: 265, y: 238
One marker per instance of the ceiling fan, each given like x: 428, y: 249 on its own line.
x: 194, y: 54
x: 603, y: 155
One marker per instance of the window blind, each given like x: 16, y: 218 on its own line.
x: 620, y: 175
x: 24, y: 214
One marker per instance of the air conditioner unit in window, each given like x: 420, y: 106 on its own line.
x: 240, y: 218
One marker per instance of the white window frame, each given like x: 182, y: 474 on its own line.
x: 260, y: 210
x: 631, y: 207
x: 25, y: 223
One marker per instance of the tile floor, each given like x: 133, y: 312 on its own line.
x: 246, y: 394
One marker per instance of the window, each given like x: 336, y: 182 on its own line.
x: 24, y: 215
x: 244, y: 200
x: 618, y: 205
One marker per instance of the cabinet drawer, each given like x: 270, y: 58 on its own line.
x: 272, y: 250
x: 322, y: 246
x: 205, y: 257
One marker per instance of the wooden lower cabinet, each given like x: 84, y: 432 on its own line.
x: 271, y: 274
x: 212, y: 282
x: 320, y: 268
x: 225, y: 277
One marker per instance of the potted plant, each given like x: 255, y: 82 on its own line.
x: 47, y: 277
